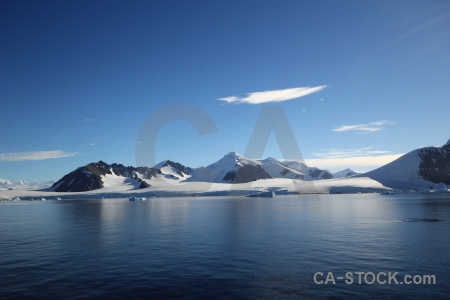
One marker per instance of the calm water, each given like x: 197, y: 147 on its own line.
x: 222, y: 247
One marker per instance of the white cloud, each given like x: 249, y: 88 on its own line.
x: 357, y: 159
x: 358, y: 163
x: 345, y: 153
x: 274, y: 95
x: 35, y: 155
x: 365, y: 128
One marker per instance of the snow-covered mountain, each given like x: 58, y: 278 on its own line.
x: 173, y: 170
x: 98, y: 175
x: 232, y: 168
x: 418, y: 169
x: 23, y: 185
x: 310, y: 173
x: 344, y: 173
x: 101, y: 175
x: 4, y: 182
x: 235, y: 168
x: 278, y: 169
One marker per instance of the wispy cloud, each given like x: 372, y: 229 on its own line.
x: 35, y: 155
x: 358, y: 159
x: 274, y: 95
x: 345, y: 153
x: 358, y: 163
x: 365, y: 128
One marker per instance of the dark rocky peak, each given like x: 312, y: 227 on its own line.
x: 90, y: 177
x: 83, y: 179
x: 177, y: 166
x: 143, y: 184
x: 435, y: 163
x: 99, y: 168
x: 124, y: 171
x: 447, y: 145
x: 148, y: 173
x: 317, y: 173
x: 246, y: 173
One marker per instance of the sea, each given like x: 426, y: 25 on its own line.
x: 357, y: 246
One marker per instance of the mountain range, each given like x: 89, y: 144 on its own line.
x: 232, y: 168
x: 419, y: 169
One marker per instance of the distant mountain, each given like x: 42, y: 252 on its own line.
x: 310, y: 173
x: 23, y: 185
x: 278, y: 169
x: 4, y: 182
x: 94, y: 175
x: 418, y: 169
x: 344, y: 173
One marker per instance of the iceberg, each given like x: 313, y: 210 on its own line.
x: 440, y: 188
x: 135, y: 199
x: 388, y: 192
x: 264, y: 194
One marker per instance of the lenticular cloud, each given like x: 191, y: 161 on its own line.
x: 274, y: 95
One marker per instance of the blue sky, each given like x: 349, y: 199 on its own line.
x: 79, y: 78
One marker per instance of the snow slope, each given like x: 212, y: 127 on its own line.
x: 116, y: 187
x: 419, y: 169
x: 277, y: 169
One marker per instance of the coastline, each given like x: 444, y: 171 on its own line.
x: 164, y: 188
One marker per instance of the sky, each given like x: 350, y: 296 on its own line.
x: 360, y: 82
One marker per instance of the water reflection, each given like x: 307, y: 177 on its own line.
x: 242, y: 247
